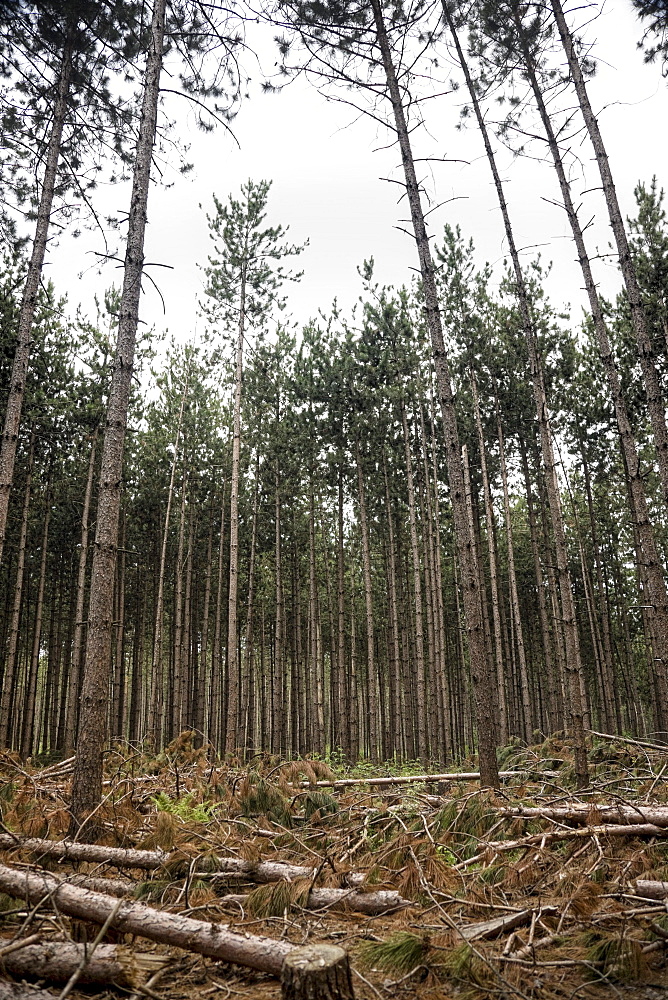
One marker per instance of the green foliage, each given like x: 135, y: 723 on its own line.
x: 185, y: 809
x: 400, y: 954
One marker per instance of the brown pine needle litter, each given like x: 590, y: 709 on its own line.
x: 545, y: 905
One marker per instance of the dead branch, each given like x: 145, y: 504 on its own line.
x: 542, y: 839
x: 649, y: 889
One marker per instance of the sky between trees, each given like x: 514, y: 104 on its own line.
x: 326, y: 161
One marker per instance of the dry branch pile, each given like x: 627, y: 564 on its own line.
x: 431, y: 886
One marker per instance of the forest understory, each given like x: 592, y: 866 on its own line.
x: 434, y: 887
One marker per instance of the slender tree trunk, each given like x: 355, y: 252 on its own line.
x: 176, y: 681
x: 118, y: 700
x: 655, y: 578
x: 368, y: 606
x: 87, y: 779
x: 343, y: 720
x: 546, y: 631
x: 232, y: 724
x: 465, y: 553
x: 28, y: 730
x: 655, y: 400
x: 17, y: 382
x: 420, y: 687
x: 8, y: 676
x: 215, y: 690
x: 572, y: 642
x: 79, y: 624
x: 279, y: 654
x: 200, y: 687
x: 512, y: 586
x: 493, y: 573
x: 249, y: 652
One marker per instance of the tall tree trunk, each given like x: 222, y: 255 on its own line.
x: 79, y: 624
x: 573, y: 660
x: 17, y: 381
x: 215, y: 695
x: 368, y: 607
x: 176, y: 683
x: 280, y: 727
x: 8, y: 677
x: 28, y: 729
x: 493, y: 573
x: 118, y: 700
x: 420, y: 686
x: 654, y: 573
x: 87, y: 779
x: 512, y: 586
x: 233, y: 678
x: 655, y: 400
x: 465, y: 553
x: 157, y: 679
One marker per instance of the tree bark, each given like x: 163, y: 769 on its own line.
x: 28, y: 729
x: 56, y: 961
x: 87, y: 779
x: 214, y: 940
x: 8, y: 676
x: 79, y: 624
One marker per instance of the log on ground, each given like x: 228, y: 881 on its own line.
x: 56, y: 961
x: 214, y: 940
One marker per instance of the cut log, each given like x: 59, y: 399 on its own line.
x: 317, y: 972
x: 579, y: 812
x: 120, y: 856
x: 651, y: 890
x: 371, y: 903
x: 215, y: 940
x: 21, y: 991
x: 58, y: 960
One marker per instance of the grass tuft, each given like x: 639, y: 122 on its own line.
x: 399, y: 954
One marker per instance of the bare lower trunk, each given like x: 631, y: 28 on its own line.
x: 465, y: 553
x: 373, y: 720
x: 493, y: 575
x: 19, y: 373
x: 233, y: 678
x: 420, y: 688
x: 79, y: 624
x: 87, y: 780
x: 28, y: 730
x: 9, y: 674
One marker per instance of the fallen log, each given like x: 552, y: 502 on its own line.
x: 215, y: 940
x: 542, y: 839
x: 58, y: 960
x: 319, y: 971
x: 426, y: 778
x: 121, y: 857
x: 580, y: 811
x: 371, y: 903
x: 649, y: 889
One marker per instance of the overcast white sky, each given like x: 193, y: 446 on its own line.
x: 326, y: 187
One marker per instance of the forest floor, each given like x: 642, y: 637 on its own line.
x: 530, y: 892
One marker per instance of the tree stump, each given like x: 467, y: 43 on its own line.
x: 317, y: 972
